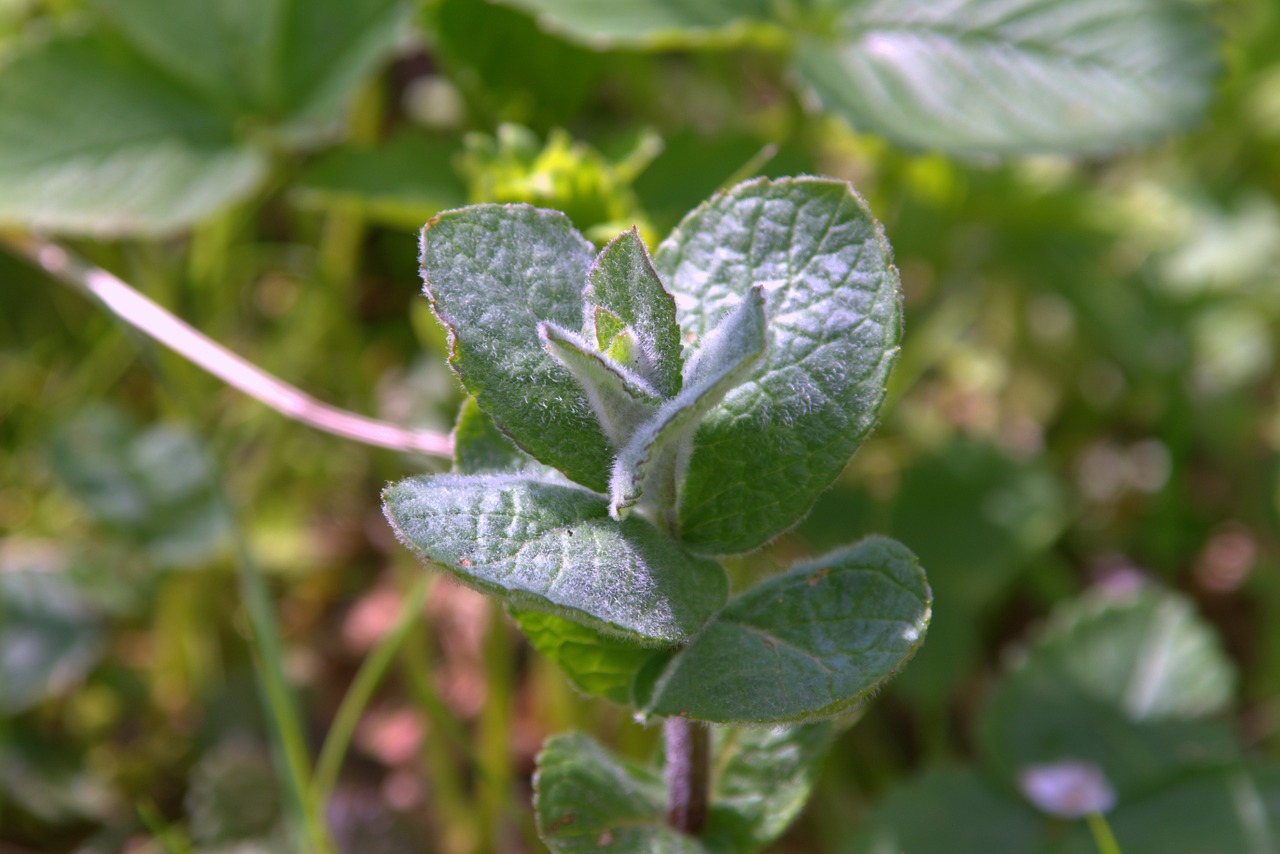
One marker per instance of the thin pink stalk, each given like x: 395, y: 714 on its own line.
x: 148, y: 317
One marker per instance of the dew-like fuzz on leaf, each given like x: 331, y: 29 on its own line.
x: 553, y: 547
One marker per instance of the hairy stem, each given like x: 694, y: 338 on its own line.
x: 688, y: 773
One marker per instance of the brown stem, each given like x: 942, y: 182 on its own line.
x: 688, y: 745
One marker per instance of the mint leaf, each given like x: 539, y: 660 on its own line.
x: 608, y: 326
x: 762, y: 779
x: 480, y: 448
x: 620, y: 399
x: 587, y: 799
x: 762, y: 457
x: 493, y: 273
x: 596, y: 664
x: 142, y: 129
x: 623, y: 282
x: 1015, y: 77
x: 805, y: 644
x: 659, y: 450
x: 553, y: 547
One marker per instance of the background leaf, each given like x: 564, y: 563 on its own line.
x: 93, y: 140
x: 637, y: 23
x: 152, y: 127
x: 761, y: 458
x: 151, y: 486
x: 402, y: 182
x: 953, y: 810
x: 1022, y: 77
x: 1125, y: 682
x: 49, y: 637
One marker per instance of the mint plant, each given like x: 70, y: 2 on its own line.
x: 633, y: 418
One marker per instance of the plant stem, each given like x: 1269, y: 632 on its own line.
x: 148, y: 317
x: 688, y: 746
x: 1102, y: 835
x: 343, y: 728
x: 494, y: 734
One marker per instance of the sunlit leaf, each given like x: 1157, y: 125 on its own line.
x: 1015, y: 77
x: 553, y: 547
x: 831, y: 294
x: 493, y: 273
x: 806, y: 644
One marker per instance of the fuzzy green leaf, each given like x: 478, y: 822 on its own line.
x: 622, y: 281
x: 608, y: 327
x: 595, y: 663
x: 762, y: 457
x: 620, y: 399
x: 805, y: 644
x: 553, y: 547
x: 493, y: 273
x: 480, y: 448
x: 587, y: 799
x: 659, y: 449
x: 1024, y: 76
x: 763, y: 778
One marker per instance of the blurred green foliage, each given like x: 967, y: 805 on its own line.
x: 1085, y: 406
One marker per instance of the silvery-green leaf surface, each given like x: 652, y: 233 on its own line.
x: 620, y: 399
x: 761, y: 458
x: 586, y: 800
x: 623, y: 282
x: 806, y: 644
x: 658, y: 451
x: 1015, y: 76
x: 480, y: 448
x: 553, y: 547
x: 493, y: 273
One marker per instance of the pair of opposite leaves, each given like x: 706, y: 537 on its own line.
x: 753, y: 427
